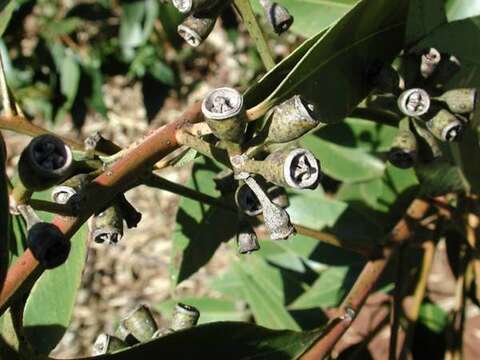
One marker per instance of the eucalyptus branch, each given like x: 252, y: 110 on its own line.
x: 365, y: 283
x: 246, y: 11
x: 102, y: 191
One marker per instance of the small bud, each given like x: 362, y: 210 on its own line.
x: 277, y: 220
x: 140, y: 323
x: 106, y: 344
x: 247, y: 241
x: 403, y: 152
x: 224, y: 113
x: 45, y: 162
x: 460, y: 101
x: 429, y: 62
x: 445, y: 126
x: 189, y: 6
x: 414, y: 102
x: 277, y: 15
x: 291, y: 120
x: 184, y: 317
x: 48, y: 244
x: 196, y: 28
x: 107, y: 226
x: 247, y: 201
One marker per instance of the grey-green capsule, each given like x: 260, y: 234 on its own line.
x: 434, y: 151
x: 45, y: 162
x: 247, y: 241
x: 225, y: 114
x: 429, y: 62
x: 107, y: 226
x: 106, y: 344
x: 414, y: 102
x: 291, y: 120
x: 403, y: 152
x: 123, y: 334
x: 445, y: 126
x: 184, y: 317
x: 196, y: 28
x: 296, y: 168
x: 277, y: 221
x: 278, y: 16
x: 162, y: 332
x: 189, y: 6
x: 460, y: 101
x: 62, y: 193
x: 140, y: 323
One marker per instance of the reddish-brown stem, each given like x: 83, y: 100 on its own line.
x: 104, y: 189
x: 365, y: 283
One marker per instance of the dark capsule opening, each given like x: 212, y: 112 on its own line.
x: 401, y: 158
x: 454, y: 133
x: 50, y: 153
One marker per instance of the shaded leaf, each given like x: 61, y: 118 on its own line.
x: 459, y: 9
x: 423, y: 17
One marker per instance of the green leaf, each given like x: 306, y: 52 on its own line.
x: 343, y: 163
x: 200, y: 228
x: 6, y: 12
x: 221, y: 340
x: 460, y: 9
x: 433, y: 317
x: 263, y: 288
x: 211, y: 310
x: 49, y: 307
x: 333, y: 73
x: 329, y: 289
x: 423, y: 17
x: 310, y: 17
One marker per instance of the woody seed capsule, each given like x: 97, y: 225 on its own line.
x: 140, y: 323
x: 45, y: 162
x: 403, y: 152
x: 225, y: 115
x: 184, y: 317
x: 277, y: 220
x: 62, y: 193
x: 48, y: 244
x: 277, y: 15
x: 188, y: 6
x: 105, y: 344
x: 460, y: 101
x: 429, y: 62
x: 196, y: 28
x: 445, y: 126
x: 291, y: 120
x: 414, y: 102
x: 107, y: 226
x: 247, y: 241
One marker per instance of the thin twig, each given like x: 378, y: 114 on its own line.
x: 366, y: 281
x: 245, y: 9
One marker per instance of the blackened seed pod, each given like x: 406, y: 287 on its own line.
x: 247, y: 241
x: 429, y: 62
x: 414, y: 102
x: 389, y: 80
x: 45, y: 162
x: 403, y: 153
x: 196, y: 28
x: 277, y: 15
x: 290, y: 120
x: 277, y: 221
x: 460, y: 101
x: 445, y: 126
x: 106, y: 344
x: 48, y: 244
x: 225, y: 114
x: 184, y: 317
x: 107, y: 226
x: 189, y: 6
x: 247, y: 201
x: 140, y: 323
x: 446, y: 69
x: 62, y: 193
